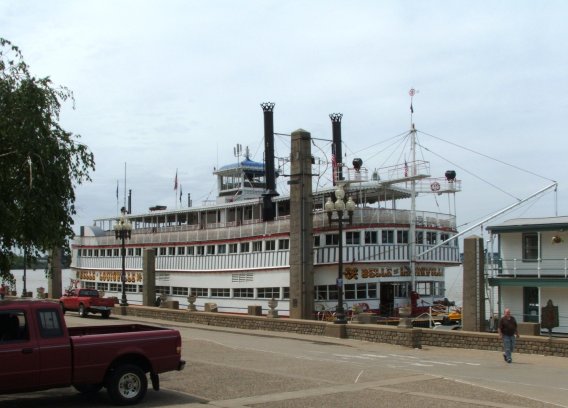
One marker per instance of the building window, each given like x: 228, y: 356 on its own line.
x: 257, y: 246
x: 349, y: 291
x: 268, y: 293
x: 283, y: 244
x: 163, y: 289
x: 243, y: 292
x: 270, y: 245
x: 220, y: 292
x: 233, y: 248
x: 352, y: 238
x: 203, y: 292
x: 530, y: 246
x: 130, y: 288
x: 387, y: 236
x: 180, y: 291
x: 286, y: 292
x: 102, y: 286
x: 114, y: 287
x: 245, y: 247
x: 371, y: 237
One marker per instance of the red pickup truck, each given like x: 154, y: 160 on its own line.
x: 38, y: 352
x: 86, y: 301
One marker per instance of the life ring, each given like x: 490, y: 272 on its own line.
x: 435, y: 186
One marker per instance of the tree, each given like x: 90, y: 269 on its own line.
x: 40, y: 162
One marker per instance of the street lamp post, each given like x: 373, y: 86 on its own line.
x: 339, y: 206
x: 122, y: 231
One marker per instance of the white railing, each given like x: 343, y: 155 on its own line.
x: 523, y: 268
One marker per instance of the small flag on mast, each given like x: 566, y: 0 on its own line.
x: 116, y: 190
x: 176, y: 181
x: 333, y: 162
x: 180, y: 193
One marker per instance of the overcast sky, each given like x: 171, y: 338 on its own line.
x: 166, y: 85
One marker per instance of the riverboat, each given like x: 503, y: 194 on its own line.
x: 231, y: 254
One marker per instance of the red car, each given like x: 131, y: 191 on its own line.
x: 39, y: 352
x: 86, y: 301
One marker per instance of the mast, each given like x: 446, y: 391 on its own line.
x: 412, y: 229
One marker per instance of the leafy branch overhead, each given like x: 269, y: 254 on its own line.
x: 41, y: 163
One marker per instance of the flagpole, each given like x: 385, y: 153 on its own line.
x: 175, y: 189
x: 124, y: 204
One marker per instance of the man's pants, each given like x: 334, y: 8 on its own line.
x: 508, y: 346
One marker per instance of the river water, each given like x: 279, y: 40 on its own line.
x: 36, y: 278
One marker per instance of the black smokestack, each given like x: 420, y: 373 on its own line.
x: 337, y: 155
x: 129, y: 201
x: 268, y: 212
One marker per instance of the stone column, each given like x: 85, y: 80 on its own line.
x: 473, y: 310
x: 149, y: 277
x: 301, y: 226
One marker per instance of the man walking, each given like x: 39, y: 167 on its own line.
x: 508, y: 332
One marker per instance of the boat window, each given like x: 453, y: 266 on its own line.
x: 115, y: 252
x: 419, y: 237
x: 424, y: 288
x: 349, y: 291
x: 163, y: 289
x: 222, y: 249
x: 402, y: 237
x: 317, y: 241
x: 387, y: 236
x: 162, y: 251
x: 96, y: 252
x: 257, y: 246
x: 530, y: 246
x: 109, y: 252
x: 171, y: 251
x: 331, y: 239
x: 210, y: 249
x: 245, y: 247
x: 352, y: 238
x: 138, y: 251
x: 431, y: 237
x: 270, y: 245
x: 371, y: 237
x: 233, y: 248
x: 181, y: 250
x: 283, y: 244
x: 191, y: 250
x: 444, y: 237
x: 200, y: 250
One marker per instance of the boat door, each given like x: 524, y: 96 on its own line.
x: 386, y: 302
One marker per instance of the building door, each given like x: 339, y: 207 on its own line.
x: 386, y: 306
x: 530, y: 304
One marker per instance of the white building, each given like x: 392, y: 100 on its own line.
x: 531, y: 267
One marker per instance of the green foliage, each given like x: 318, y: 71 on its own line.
x: 40, y: 162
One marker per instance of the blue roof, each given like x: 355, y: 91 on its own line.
x: 246, y: 164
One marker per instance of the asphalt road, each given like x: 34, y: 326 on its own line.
x: 236, y: 368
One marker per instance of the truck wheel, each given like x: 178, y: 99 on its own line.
x: 105, y: 314
x: 62, y: 307
x: 127, y: 385
x: 82, y: 311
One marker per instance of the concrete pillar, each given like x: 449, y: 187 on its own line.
x: 301, y: 226
x: 473, y: 310
x: 54, y: 288
x: 149, y: 277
